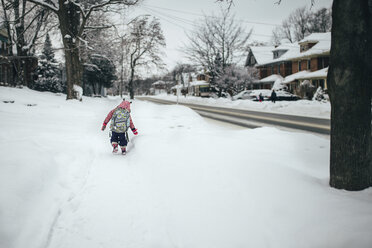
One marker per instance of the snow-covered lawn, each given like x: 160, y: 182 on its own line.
x: 300, y: 107
x: 184, y: 182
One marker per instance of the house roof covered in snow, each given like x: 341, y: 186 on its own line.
x: 271, y: 78
x: 291, y: 50
x: 322, y: 73
x: 295, y: 76
x: 322, y: 47
x: 262, y: 54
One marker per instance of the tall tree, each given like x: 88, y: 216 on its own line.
x: 216, y: 43
x: 144, y: 46
x: 350, y: 88
x: 73, y: 16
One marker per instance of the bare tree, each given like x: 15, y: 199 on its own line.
x: 299, y: 19
x: 320, y: 21
x: 216, y: 43
x: 143, y: 46
x: 283, y: 32
x: 73, y: 16
x: 302, y: 22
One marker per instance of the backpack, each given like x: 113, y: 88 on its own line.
x: 120, y: 120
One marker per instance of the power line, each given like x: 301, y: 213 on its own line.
x: 177, y: 19
x: 196, y: 14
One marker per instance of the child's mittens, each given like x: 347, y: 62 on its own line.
x: 103, y: 126
x: 134, y: 130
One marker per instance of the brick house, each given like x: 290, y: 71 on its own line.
x: 306, y: 60
x: 272, y: 62
x: 313, y: 58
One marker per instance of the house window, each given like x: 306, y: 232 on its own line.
x: 299, y: 65
x: 278, y: 69
x: 275, y: 54
x: 253, y: 61
x: 272, y: 69
x: 308, y: 64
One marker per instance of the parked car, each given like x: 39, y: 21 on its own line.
x: 254, y: 95
x: 244, y: 95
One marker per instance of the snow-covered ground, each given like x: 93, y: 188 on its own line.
x: 184, y: 182
x: 301, y: 107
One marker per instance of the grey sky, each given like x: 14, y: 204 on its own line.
x: 177, y: 17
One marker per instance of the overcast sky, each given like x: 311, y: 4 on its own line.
x: 177, y: 17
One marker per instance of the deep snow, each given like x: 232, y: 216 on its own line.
x: 184, y: 182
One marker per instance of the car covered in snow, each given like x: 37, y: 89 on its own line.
x: 281, y: 95
x: 244, y: 95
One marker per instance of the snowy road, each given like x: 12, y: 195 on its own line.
x: 254, y: 119
x: 184, y: 182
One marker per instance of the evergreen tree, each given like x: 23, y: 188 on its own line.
x: 49, y: 73
x: 98, y: 72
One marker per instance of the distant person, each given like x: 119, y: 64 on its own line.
x: 260, y: 97
x: 273, y: 96
x: 120, y: 122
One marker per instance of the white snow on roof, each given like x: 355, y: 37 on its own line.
x: 292, y: 51
x: 262, y: 54
x: 271, y: 78
x: 198, y: 83
x: 315, y: 37
x: 287, y: 46
x: 323, y: 46
x: 295, y: 76
x: 322, y: 73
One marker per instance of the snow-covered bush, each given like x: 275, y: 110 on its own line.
x: 320, y: 95
x: 307, y: 90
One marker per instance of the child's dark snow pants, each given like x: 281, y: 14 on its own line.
x: 120, y: 138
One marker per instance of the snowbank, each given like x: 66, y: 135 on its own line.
x: 183, y: 183
x: 300, y: 107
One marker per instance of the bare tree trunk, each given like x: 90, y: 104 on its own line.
x: 350, y: 86
x: 69, y: 20
x: 130, y: 85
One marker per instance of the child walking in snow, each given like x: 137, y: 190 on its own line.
x: 120, y: 122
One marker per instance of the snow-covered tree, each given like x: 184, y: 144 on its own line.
x: 48, y: 72
x: 73, y: 17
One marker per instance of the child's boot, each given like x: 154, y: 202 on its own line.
x: 115, y: 148
x: 123, y: 150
